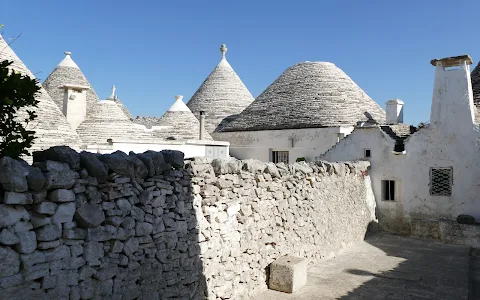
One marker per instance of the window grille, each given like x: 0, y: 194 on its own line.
x: 280, y: 156
x: 441, y: 181
x: 388, y: 187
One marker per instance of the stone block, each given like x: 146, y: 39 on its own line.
x: 288, y: 274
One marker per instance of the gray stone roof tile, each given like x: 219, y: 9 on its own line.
x: 106, y: 120
x: 181, y: 121
x: 308, y: 95
x: 220, y: 96
x: 67, y: 72
x: 51, y: 126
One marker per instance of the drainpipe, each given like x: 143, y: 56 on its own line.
x: 202, y: 125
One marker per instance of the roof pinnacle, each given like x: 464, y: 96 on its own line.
x: 68, y: 53
x: 112, y: 96
x: 223, y: 49
x: 178, y: 97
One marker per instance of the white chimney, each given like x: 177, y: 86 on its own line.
x: 394, y: 111
x: 202, y: 125
x: 452, y: 101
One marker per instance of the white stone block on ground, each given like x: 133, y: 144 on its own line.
x: 288, y: 274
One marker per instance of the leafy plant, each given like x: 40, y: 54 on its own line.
x: 299, y: 159
x: 17, y: 100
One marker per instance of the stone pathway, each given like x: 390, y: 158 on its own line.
x: 388, y: 267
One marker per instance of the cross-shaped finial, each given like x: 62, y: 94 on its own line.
x: 223, y: 49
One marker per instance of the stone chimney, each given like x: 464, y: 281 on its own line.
x: 394, y: 111
x: 202, y: 125
x: 452, y: 101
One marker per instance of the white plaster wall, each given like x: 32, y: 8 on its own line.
x: 384, y: 166
x: 308, y: 143
x: 75, y: 110
x: 433, y: 147
x: 451, y: 140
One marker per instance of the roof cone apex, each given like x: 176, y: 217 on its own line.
x: 179, y: 105
x: 223, y: 50
x: 68, y: 61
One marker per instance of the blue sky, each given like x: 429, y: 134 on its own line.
x: 152, y: 50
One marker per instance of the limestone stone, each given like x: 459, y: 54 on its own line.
x: 27, y: 242
x: 288, y: 274
x: 155, y: 162
x: 49, y: 233
x: 61, y: 195
x: 13, y: 175
x: 120, y: 163
x: 64, y: 213
x: 39, y: 220
x: 94, y: 166
x: 64, y: 179
x: 48, y: 245
x: 130, y: 246
x: 47, y: 208
x: 17, y: 198
x: 10, y: 281
x: 8, y: 238
x: 62, y: 154
x: 140, y: 169
x: 174, y: 158
x: 9, y: 215
x: 57, y: 254
x: 89, y: 215
x: 35, y: 179
x: 93, y: 251
x: 143, y: 228
x: 9, y: 262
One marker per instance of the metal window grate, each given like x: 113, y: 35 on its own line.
x: 388, y: 187
x: 280, y: 156
x: 441, y: 181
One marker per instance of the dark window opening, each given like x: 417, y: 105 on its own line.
x: 399, y: 146
x: 368, y: 153
x: 388, y: 188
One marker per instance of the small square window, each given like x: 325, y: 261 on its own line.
x: 368, y: 153
x: 388, y: 190
x: 280, y: 156
x: 441, y: 181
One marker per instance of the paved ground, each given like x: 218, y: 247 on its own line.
x: 475, y: 275
x: 388, y: 267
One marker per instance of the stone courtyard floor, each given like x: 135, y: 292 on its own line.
x: 390, y: 267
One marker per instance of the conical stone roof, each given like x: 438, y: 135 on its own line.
x: 105, y: 121
x: 51, y: 127
x: 67, y: 72
x: 181, y: 123
x: 308, y: 95
x: 221, y: 96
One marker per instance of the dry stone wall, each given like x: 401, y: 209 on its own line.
x: 250, y: 213
x: 153, y: 226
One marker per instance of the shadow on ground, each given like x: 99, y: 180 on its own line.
x: 411, y: 269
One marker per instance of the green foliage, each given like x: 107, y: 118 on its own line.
x: 17, y: 92
x: 299, y: 159
x: 422, y: 124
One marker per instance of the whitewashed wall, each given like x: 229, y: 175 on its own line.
x: 451, y: 140
x: 308, y: 143
x: 384, y: 166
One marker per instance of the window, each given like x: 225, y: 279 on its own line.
x: 388, y: 190
x: 368, y: 153
x: 280, y: 156
x: 441, y: 181
x: 340, y: 136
